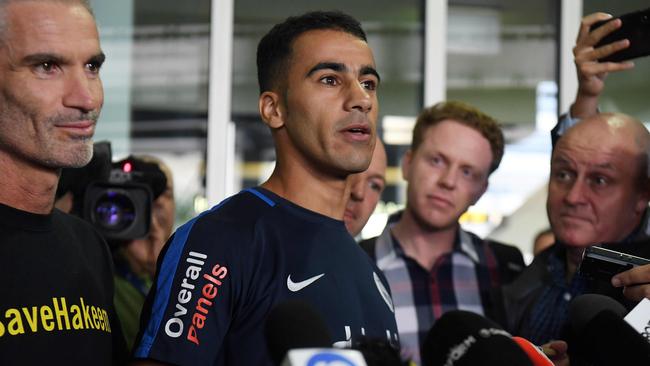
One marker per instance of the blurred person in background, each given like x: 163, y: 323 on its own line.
x: 365, y: 191
x: 431, y: 263
x: 544, y: 239
x: 135, y: 260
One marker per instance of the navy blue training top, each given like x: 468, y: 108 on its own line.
x: 221, y: 273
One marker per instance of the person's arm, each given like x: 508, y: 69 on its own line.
x: 193, y: 268
x: 591, y: 72
x: 635, y: 282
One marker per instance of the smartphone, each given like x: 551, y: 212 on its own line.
x: 602, y: 264
x: 636, y: 28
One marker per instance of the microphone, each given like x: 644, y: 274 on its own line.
x: 296, y: 335
x: 585, y: 307
x: 378, y: 352
x: 464, y: 338
x: 601, y: 336
x: 533, y: 352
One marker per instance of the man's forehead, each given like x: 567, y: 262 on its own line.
x: 48, y: 15
x: 44, y: 27
x: 594, y: 155
x: 332, y: 45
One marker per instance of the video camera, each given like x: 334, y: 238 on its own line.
x: 115, y: 197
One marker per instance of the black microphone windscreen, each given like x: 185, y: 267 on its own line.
x: 608, y: 340
x: 378, y: 352
x: 295, y: 324
x: 585, y: 307
x: 464, y: 338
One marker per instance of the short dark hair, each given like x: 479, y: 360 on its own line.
x: 467, y: 115
x: 274, y: 50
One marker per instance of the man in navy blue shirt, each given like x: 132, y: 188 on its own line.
x: 221, y: 273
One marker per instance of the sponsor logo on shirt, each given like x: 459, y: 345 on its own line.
x: 297, y: 286
x: 175, y: 326
x: 60, y: 316
x: 391, y: 338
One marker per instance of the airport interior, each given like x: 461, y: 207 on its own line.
x: 180, y: 83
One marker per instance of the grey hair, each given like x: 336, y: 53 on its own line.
x: 3, y: 3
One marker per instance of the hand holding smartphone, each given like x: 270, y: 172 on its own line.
x: 635, y: 27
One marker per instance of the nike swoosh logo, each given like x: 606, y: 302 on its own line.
x: 297, y: 286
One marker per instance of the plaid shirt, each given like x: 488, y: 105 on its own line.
x: 460, y: 280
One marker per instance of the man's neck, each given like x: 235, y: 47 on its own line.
x: 424, y: 244
x: 319, y: 193
x: 26, y: 187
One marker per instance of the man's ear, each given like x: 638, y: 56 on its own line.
x: 406, y: 164
x: 644, y: 197
x: 270, y: 109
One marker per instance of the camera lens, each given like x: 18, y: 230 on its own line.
x: 114, y: 210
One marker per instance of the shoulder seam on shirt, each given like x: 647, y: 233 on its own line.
x: 261, y: 196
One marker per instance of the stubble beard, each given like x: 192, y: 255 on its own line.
x: 76, y: 153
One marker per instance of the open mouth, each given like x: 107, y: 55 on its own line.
x: 359, y: 130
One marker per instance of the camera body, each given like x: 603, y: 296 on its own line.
x: 119, y: 208
x: 116, y: 197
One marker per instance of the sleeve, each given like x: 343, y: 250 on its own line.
x: 565, y: 122
x: 195, y: 294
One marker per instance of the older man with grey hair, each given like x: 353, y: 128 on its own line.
x: 598, y: 193
x: 55, y: 270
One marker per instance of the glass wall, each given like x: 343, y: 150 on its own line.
x: 499, y: 53
x: 156, y: 86
x: 502, y: 58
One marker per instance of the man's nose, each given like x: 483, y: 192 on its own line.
x: 358, y: 98
x: 82, y: 92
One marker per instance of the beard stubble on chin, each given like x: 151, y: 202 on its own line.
x: 62, y: 155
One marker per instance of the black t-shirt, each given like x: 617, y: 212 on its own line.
x: 222, y: 273
x: 56, y: 291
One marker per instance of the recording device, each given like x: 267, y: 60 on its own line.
x: 296, y: 335
x: 636, y: 28
x: 120, y: 209
x: 115, y: 197
x: 602, y: 264
x: 464, y: 338
x: 600, y: 336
